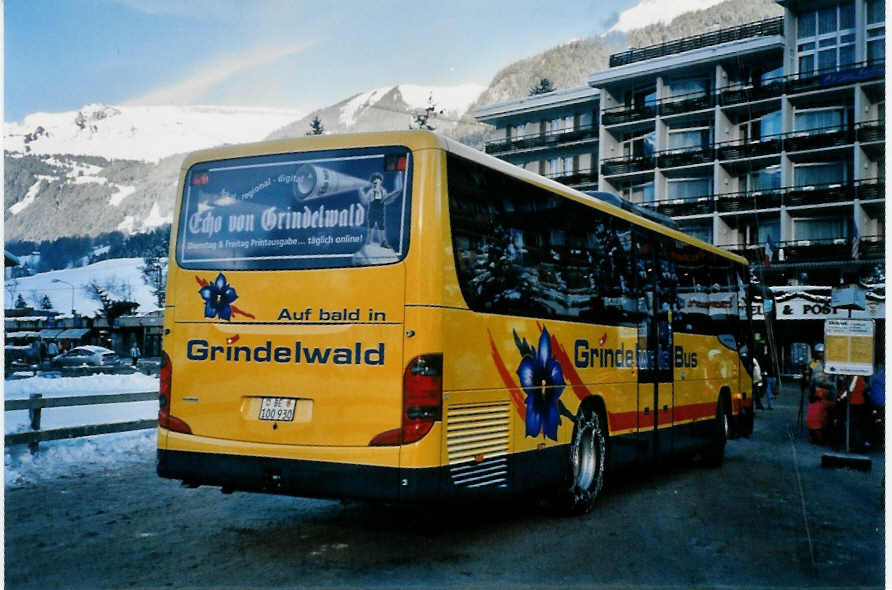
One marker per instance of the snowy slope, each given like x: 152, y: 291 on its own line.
x: 146, y: 133
x: 451, y: 99
x: 121, y: 272
x: 649, y: 12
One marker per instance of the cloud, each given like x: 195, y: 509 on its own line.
x: 193, y: 88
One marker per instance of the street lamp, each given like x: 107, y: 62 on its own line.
x: 73, y: 312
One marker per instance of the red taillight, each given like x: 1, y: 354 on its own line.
x: 165, y: 420
x: 422, y: 401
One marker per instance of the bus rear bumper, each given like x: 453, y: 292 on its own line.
x: 295, y: 477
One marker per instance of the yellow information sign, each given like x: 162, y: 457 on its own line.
x: 848, y: 347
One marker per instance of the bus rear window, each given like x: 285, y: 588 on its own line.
x: 339, y: 208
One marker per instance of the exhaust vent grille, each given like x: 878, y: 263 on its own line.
x: 477, y: 438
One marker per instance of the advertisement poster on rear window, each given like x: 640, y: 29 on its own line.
x: 331, y: 209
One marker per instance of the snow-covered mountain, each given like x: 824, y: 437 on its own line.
x: 146, y: 133
x: 390, y: 107
x: 651, y: 12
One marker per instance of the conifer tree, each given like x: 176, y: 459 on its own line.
x: 316, y: 126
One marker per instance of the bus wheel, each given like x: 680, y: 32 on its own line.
x: 716, y: 452
x: 588, y: 454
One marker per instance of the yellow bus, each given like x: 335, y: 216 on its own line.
x: 396, y: 316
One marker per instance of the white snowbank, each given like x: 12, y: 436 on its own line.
x: 69, y: 457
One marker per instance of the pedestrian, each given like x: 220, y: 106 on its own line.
x: 768, y: 380
x: 757, y: 383
x: 818, y: 418
x: 134, y: 354
x: 52, y: 349
x: 860, y: 412
x: 817, y: 377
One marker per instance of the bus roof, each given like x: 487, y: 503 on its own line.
x: 420, y: 140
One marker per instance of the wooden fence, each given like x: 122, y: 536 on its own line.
x: 37, y: 402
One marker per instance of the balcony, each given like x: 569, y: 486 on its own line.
x: 817, y: 138
x: 624, y: 114
x: 800, y: 196
x: 835, y: 76
x: 539, y: 140
x: 867, y: 131
x: 731, y: 95
x: 767, y: 27
x: 576, y: 178
x: 870, y: 189
x: 749, y: 201
x: 626, y: 165
x: 689, y: 156
x: 684, y: 207
x: 752, y: 148
x: 685, y: 103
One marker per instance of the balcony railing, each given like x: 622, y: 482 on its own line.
x: 794, y: 141
x: 583, y: 176
x: 624, y: 114
x: 770, y: 26
x: 871, y: 130
x: 627, y: 164
x: 685, y: 103
x: 687, y: 156
x: 814, y: 250
x: 825, y: 78
x: 818, y: 137
x: 534, y: 140
x: 671, y: 105
x: 834, y: 76
x: 750, y: 148
x: 730, y: 95
x: 866, y: 189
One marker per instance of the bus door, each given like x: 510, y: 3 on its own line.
x: 656, y: 399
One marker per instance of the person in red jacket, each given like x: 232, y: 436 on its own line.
x: 817, y: 420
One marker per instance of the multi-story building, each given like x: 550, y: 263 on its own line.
x: 766, y: 139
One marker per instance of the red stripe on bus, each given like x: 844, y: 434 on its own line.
x: 508, y: 380
x: 623, y: 421
x: 569, y: 370
x: 695, y: 411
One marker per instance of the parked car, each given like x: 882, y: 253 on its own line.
x: 90, y: 356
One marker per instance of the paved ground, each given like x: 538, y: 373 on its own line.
x: 770, y: 516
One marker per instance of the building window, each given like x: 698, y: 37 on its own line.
x: 689, y: 86
x: 876, y: 31
x: 820, y: 174
x: 701, y: 231
x: 689, y: 188
x: 559, y: 166
x: 820, y: 228
x: 765, y: 179
x: 826, y: 38
x: 822, y: 120
x: 639, y: 147
x: 641, y: 193
x: 559, y: 125
x: 682, y: 139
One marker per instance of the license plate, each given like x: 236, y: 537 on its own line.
x: 277, y: 409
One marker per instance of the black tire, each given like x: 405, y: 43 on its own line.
x: 587, y: 462
x: 716, y: 452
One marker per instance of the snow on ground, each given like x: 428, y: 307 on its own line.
x: 142, y: 132
x: 120, y: 271
x: 649, y: 12
x: 453, y: 99
x: 67, y: 457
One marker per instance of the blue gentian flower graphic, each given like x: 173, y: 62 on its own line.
x: 542, y: 379
x: 218, y: 297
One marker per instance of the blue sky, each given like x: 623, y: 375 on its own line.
x: 62, y: 54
